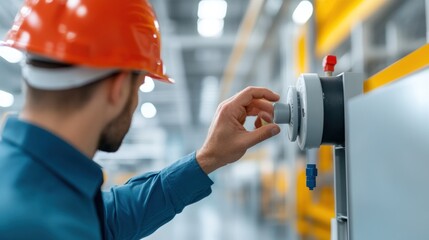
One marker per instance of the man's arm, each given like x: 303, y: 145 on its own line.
x: 146, y: 202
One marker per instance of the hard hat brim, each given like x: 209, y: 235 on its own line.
x: 162, y: 78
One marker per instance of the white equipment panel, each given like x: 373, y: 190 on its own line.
x: 388, y: 163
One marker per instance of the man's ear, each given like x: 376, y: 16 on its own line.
x: 118, y: 88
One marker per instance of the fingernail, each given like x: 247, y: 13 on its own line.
x: 275, y: 131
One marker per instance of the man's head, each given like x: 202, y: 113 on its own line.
x: 85, y: 50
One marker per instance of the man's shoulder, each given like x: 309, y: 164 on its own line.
x: 29, y: 186
x: 35, y: 203
x: 17, y: 167
x: 12, y: 152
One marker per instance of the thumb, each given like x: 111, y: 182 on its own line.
x: 260, y: 134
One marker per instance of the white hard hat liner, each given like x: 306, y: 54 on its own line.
x: 62, y: 78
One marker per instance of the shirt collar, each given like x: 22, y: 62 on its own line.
x: 58, y: 156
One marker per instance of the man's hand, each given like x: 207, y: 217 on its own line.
x: 228, y: 140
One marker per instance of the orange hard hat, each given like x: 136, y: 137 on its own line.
x: 92, y: 33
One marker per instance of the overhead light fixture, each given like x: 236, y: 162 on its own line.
x: 210, y: 27
x: 212, y: 9
x: 6, y: 99
x: 148, y: 110
x: 10, y: 54
x: 302, y: 12
x: 211, y: 15
x: 148, y: 85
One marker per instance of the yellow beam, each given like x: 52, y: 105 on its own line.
x: 413, y: 62
x: 341, y: 19
x: 307, y: 229
x: 320, y: 213
x: 243, y: 36
x: 301, y: 53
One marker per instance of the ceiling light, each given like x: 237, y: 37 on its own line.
x: 212, y: 9
x: 10, y: 54
x: 148, y: 110
x: 148, y: 85
x: 302, y: 12
x: 6, y: 99
x: 210, y: 27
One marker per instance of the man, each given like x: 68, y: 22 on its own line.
x: 85, y: 62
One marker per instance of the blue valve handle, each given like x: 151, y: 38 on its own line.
x: 311, y: 173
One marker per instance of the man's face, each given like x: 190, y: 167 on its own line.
x: 113, y: 134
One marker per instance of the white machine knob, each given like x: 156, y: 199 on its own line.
x: 295, y: 118
x: 303, y: 112
x: 281, y: 113
x: 289, y: 113
x: 311, y: 107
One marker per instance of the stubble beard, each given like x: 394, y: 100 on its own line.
x: 113, y: 134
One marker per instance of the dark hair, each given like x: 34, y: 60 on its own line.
x: 60, y: 100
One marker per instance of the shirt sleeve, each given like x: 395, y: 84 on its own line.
x: 146, y: 202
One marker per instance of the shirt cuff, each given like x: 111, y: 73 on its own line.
x: 187, y: 180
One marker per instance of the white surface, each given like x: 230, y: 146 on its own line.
x: 388, y: 164
x: 62, y: 78
x: 311, y: 103
x: 292, y: 100
x: 334, y: 229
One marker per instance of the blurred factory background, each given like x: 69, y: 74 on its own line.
x: 214, y: 48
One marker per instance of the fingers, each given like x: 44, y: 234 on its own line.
x: 260, y: 134
x: 258, y: 105
x: 263, y: 116
x: 245, y: 97
x: 258, y: 122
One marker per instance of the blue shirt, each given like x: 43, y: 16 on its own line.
x: 48, y: 190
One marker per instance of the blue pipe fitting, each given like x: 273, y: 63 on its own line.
x: 311, y: 173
